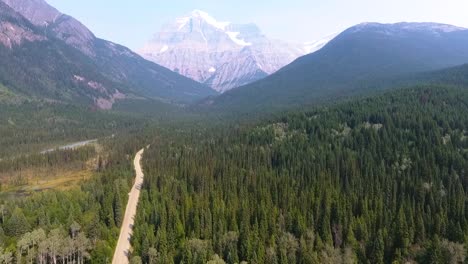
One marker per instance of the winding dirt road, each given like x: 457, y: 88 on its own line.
x: 122, y: 251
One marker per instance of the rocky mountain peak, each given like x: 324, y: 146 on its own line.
x: 37, y: 12
x: 198, y: 15
x: 41, y: 14
x: 221, y: 54
x: 14, y: 29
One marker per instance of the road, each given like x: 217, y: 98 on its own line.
x: 123, y: 245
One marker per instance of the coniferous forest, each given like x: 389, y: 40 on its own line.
x: 76, y: 225
x: 377, y: 180
x: 214, y: 143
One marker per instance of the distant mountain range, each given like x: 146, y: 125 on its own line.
x: 46, y: 54
x: 221, y: 55
x: 364, y: 57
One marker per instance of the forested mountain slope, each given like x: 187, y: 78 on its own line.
x: 49, y: 55
x: 358, y: 59
x: 375, y: 180
x: 457, y: 76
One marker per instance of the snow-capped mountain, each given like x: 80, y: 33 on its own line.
x: 222, y: 55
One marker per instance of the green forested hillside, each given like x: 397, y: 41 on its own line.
x: 377, y: 180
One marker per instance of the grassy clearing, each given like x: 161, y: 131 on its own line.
x: 24, y: 182
x: 34, y: 180
x: 8, y: 96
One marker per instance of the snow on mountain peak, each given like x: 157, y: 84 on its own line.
x: 202, y: 15
x: 396, y: 28
x: 222, y: 55
x: 429, y: 26
x: 313, y: 46
x: 234, y: 37
x: 164, y: 49
x: 181, y: 22
x: 225, y: 27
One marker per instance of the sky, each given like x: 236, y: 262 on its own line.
x: 133, y: 22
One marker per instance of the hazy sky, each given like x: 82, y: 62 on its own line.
x: 133, y: 22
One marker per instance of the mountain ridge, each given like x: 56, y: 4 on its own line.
x: 362, y: 54
x: 109, y: 71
